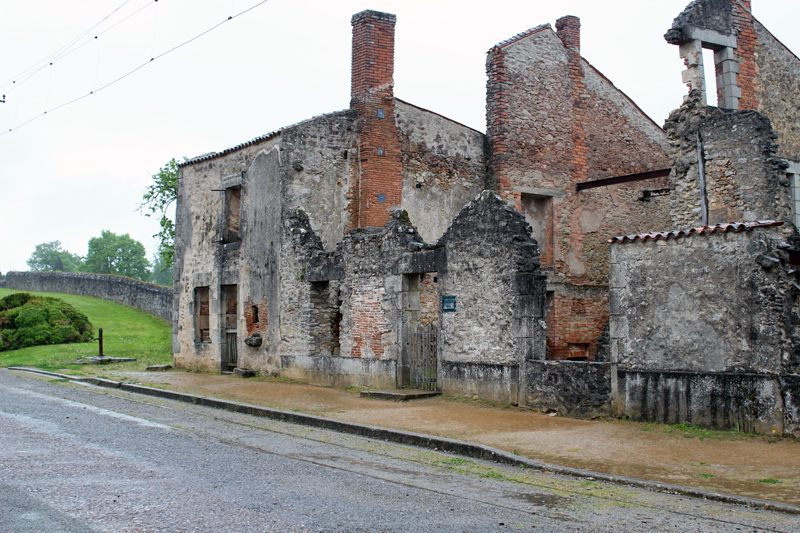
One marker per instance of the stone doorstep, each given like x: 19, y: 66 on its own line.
x: 399, y: 395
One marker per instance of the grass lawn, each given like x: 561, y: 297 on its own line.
x: 127, y: 332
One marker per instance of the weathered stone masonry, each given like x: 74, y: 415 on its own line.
x: 553, y: 121
x: 704, y: 327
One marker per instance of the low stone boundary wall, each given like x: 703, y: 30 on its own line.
x: 579, y: 389
x: 747, y: 402
x: 494, y: 382
x: 152, y: 299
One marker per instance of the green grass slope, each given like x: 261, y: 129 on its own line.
x: 127, y: 332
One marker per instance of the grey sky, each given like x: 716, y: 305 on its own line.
x: 80, y: 169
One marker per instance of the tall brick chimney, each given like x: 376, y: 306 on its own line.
x: 378, y: 189
x: 373, y: 56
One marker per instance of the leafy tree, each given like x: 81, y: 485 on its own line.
x: 116, y: 254
x: 49, y: 257
x: 158, y: 197
x: 162, y: 273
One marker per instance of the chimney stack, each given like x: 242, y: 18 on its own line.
x: 378, y: 189
x: 569, y: 30
x: 373, y: 57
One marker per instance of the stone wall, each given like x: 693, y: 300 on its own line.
x: 303, y: 168
x: 762, y: 73
x: 777, y: 87
x: 570, y: 388
x: 443, y: 167
x: 738, y: 176
x: 701, y: 307
x: 153, y: 299
x: 554, y: 121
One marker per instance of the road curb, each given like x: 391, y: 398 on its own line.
x: 467, y: 449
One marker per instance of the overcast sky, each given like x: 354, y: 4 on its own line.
x: 75, y: 171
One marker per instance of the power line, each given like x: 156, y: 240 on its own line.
x: 212, y: 28
x: 47, y: 59
x: 64, y: 51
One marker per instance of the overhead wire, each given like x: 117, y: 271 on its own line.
x: 47, y: 59
x: 64, y: 51
x: 152, y: 59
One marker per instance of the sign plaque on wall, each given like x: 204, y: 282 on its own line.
x: 448, y: 304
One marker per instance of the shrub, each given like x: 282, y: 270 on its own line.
x: 28, y: 320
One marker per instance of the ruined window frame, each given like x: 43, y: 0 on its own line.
x: 201, y: 318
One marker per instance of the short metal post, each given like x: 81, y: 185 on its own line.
x: 100, y: 332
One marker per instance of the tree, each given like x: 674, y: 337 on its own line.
x: 162, y: 274
x: 158, y: 197
x: 49, y: 257
x: 116, y: 254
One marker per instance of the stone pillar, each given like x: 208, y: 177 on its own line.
x: 694, y: 75
x: 727, y: 68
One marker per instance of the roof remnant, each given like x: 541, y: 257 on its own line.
x: 735, y: 227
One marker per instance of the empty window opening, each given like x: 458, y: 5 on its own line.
x: 538, y: 212
x: 325, y: 318
x: 201, y: 315
x: 232, y: 215
x: 710, y: 73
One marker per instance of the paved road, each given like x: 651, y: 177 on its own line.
x: 75, y: 458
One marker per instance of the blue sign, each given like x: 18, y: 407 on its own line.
x: 382, y: 198
x: 448, y: 304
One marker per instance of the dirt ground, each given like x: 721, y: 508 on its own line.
x: 764, y: 467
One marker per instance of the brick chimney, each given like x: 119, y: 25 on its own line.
x: 569, y: 30
x: 373, y: 56
x: 377, y: 191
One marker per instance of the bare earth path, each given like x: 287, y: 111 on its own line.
x: 717, y: 461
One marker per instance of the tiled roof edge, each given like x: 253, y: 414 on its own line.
x: 736, y: 227
x: 265, y: 137
x: 522, y: 35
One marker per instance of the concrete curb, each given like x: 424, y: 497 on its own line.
x: 467, y: 449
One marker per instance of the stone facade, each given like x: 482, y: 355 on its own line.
x: 553, y: 121
x: 725, y: 167
x: 704, y: 326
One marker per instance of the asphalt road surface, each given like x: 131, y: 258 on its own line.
x: 75, y: 458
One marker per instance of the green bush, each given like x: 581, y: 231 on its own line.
x: 28, y: 320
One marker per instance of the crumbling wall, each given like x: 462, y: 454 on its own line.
x: 756, y: 72
x: 317, y: 159
x: 777, y: 87
x: 306, y: 167
x: 554, y: 121
x: 691, y: 311
x: 742, y: 177
x: 492, y: 271
x: 443, y: 167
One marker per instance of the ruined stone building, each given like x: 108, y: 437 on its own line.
x: 348, y: 248
x: 705, y: 313
x: 575, y: 257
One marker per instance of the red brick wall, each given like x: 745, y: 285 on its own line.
x: 378, y: 145
x: 367, y: 318
x: 575, y: 321
x: 746, y: 42
x: 256, y: 317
